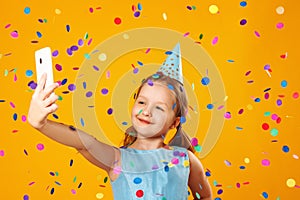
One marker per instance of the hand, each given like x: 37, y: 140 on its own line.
x: 42, y: 103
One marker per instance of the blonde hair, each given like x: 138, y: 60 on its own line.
x: 181, y: 108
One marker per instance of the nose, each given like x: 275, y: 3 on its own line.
x: 147, y: 111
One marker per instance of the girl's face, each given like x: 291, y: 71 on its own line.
x: 153, y: 114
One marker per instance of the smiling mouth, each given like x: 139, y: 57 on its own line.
x: 144, y: 121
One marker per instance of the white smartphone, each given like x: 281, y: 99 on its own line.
x: 43, y: 63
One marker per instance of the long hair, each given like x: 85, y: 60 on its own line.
x: 180, y: 138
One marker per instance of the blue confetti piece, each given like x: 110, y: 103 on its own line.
x: 284, y: 83
x: 231, y: 61
x: 140, y: 6
x: 52, y: 191
x: 84, y: 85
x: 39, y: 34
x: 96, y: 68
x: 140, y: 63
x: 182, y: 120
x: 64, y: 81
x: 265, y: 195
x: 168, y: 52
x: 81, y: 121
x: 68, y: 27
x: 15, y: 116
x: 71, y: 162
x: 124, y: 123
x: 285, y: 149
x: 137, y: 180
x: 205, y: 81
x: 29, y: 73
x: 55, y: 115
x: 27, y: 10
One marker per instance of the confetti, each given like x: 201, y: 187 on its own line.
x: 117, y: 21
x: 27, y: 10
x: 290, y: 183
x: 265, y: 162
x: 215, y: 40
x: 213, y: 9
x: 40, y: 147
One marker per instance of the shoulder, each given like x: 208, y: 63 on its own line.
x: 195, y: 163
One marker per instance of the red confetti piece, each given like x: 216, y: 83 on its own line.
x: 117, y: 21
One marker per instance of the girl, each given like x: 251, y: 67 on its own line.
x: 145, y: 167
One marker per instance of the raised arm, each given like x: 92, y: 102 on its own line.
x: 198, y: 182
x: 42, y: 104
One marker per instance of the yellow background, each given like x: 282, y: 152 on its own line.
x: 29, y: 175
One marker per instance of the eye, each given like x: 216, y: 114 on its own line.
x: 141, y: 102
x: 160, y: 108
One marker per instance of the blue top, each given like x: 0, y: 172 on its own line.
x: 160, y: 174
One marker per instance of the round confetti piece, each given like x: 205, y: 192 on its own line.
x: 265, y: 195
x: 15, y: 116
x: 2, y: 153
x: 295, y: 95
x: 73, y: 191
x: 102, y: 57
x: 23, y: 118
x: 39, y: 34
x: 210, y: 106
x: 175, y: 161
x: 91, y: 10
x: 14, y: 34
x: 194, y: 141
x: 267, y: 114
x: 274, y: 116
x: 140, y: 6
x: 40, y: 147
x: 280, y: 10
x: 29, y: 73
x: 265, y: 162
x: 205, y: 81
x: 285, y: 149
x: 104, y: 91
x: 247, y: 160
x: 198, y: 148
x: 243, y: 3
x: 89, y: 94
x: 110, y: 111
x: 137, y: 180
x: 182, y: 119
x: 25, y: 197
x: 117, y: 21
x: 279, y: 25
x: 72, y: 87
x: 137, y: 14
x: 279, y: 102
x: 265, y: 126
x: 139, y: 193
x: 243, y: 22
x: 290, y: 183
x: 99, y: 195
x: 274, y: 132
x: 57, y: 11
x: 135, y: 70
x: 227, y: 115
x: 58, y: 67
x: 283, y: 83
x: 213, y: 9
x: 220, y: 191
x: 27, y: 10
x: 215, y: 40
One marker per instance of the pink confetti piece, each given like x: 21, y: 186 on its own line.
x: 90, y: 41
x: 23, y: 118
x: 73, y: 191
x: 14, y: 34
x: 31, y: 183
x: 15, y: 77
x: 215, y: 40
x: 147, y: 51
x: 2, y: 153
x: 12, y: 104
x: 7, y: 26
x: 257, y: 34
x: 265, y: 162
x: 186, y: 34
x: 40, y: 147
x: 279, y: 25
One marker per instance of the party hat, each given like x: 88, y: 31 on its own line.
x: 172, y: 66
